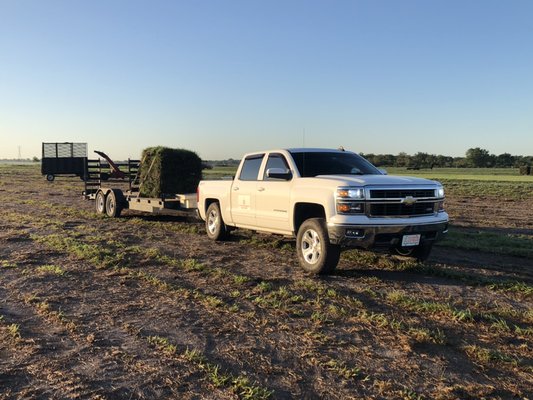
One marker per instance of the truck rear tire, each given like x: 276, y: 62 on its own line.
x: 315, y: 252
x: 50, y: 177
x: 214, y: 224
x: 113, y: 203
x: 100, y: 202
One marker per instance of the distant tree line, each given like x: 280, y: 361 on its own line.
x: 474, y: 158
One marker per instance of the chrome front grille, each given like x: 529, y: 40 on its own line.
x: 400, y: 194
x: 401, y: 210
x: 383, y: 202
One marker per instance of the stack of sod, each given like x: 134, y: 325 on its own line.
x: 525, y: 170
x: 165, y: 171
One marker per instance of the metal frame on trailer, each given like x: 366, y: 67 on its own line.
x: 111, y: 200
x: 65, y: 158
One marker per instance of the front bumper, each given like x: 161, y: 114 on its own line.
x: 383, y: 236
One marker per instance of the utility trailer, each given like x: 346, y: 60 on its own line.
x: 122, y: 190
x: 63, y: 159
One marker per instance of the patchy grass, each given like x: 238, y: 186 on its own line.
x: 51, y: 269
x: 238, y: 384
x: 485, y: 356
x: 361, y: 333
x: 490, y: 242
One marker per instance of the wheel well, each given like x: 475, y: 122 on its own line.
x: 208, y: 202
x: 303, y: 211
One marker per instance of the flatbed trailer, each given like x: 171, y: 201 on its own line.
x: 118, y: 194
x: 111, y: 201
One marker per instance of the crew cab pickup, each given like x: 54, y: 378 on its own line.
x: 329, y: 200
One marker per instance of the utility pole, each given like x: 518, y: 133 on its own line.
x: 20, y: 157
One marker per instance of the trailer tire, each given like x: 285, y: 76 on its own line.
x: 114, y: 203
x: 100, y: 202
x: 50, y: 177
x: 315, y: 252
x: 214, y: 224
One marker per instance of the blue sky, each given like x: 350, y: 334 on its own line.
x: 227, y: 77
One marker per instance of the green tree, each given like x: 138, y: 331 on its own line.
x: 478, y: 158
x: 505, y: 160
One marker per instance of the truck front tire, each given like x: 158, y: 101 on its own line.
x: 315, y: 252
x: 214, y: 224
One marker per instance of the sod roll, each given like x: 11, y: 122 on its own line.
x: 165, y: 171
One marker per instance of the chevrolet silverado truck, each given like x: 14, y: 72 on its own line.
x: 329, y: 200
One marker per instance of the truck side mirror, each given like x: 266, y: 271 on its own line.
x: 279, y: 173
x: 383, y: 171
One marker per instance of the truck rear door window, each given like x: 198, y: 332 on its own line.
x: 250, y: 168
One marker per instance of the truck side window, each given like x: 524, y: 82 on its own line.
x: 275, y: 161
x: 250, y: 168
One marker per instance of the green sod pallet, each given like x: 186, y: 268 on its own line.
x: 165, y: 171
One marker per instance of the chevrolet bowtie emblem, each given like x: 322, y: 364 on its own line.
x: 409, y: 201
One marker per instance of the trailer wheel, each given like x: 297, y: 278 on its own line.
x: 315, y: 253
x: 100, y: 202
x: 113, y: 203
x: 50, y: 177
x: 214, y: 224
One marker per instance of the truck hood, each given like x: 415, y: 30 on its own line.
x: 378, y: 180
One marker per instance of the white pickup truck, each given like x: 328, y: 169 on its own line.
x: 327, y: 199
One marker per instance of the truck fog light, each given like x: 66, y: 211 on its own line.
x: 357, y: 208
x: 357, y: 233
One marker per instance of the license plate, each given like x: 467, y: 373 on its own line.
x: 410, y: 240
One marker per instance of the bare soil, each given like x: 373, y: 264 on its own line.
x: 145, y: 307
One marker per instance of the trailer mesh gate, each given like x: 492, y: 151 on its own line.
x: 64, y: 150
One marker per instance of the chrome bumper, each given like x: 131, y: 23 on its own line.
x: 384, y: 236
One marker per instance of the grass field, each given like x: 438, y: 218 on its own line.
x: 480, y: 174
x: 504, y: 182
x: 146, y: 307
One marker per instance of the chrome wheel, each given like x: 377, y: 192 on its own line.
x: 100, y: 203
x: 212, y: 222
x: 110, y: 206
x: 311, y: 246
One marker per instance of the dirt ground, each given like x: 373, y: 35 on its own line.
x: 145, y: 307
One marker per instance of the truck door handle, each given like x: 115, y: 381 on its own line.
x: 260, y: 189
x: 235, y: 189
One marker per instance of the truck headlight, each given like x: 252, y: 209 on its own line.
x: 440, y: 192
x: 350, y: 193
x: 346, y: 203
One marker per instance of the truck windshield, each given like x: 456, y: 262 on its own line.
x: 332, y: 163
